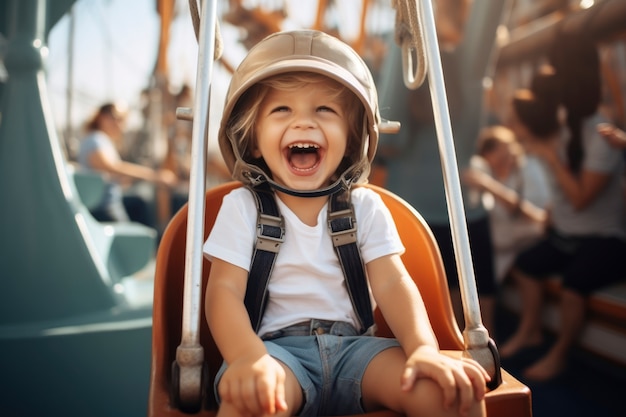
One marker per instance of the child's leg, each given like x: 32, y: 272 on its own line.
x: 381, y: 389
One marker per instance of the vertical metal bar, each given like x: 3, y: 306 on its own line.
x: 475, y: 333
x: 197, y: 182
x: 189, y: 365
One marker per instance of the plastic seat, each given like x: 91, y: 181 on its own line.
x: 422, y: 258
x: 124, y: 247
x: 89, y: 184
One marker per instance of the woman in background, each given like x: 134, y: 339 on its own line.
x: 585, y: 239
x: 99, y: 152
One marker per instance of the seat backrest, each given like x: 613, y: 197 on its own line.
x: 422, y: 259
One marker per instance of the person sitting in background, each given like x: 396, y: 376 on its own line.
x: 99, y: 152
x: 585, y: 241
x: 514, y: 189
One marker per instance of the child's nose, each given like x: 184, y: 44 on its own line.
x: 304, y: 120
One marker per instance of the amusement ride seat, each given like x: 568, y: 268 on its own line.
x: 422, y: 259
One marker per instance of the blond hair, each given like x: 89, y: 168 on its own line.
x: 491, y: 137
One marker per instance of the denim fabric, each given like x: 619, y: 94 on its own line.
x: 329, y: 360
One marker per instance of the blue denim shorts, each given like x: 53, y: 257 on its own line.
x: 329, y: 360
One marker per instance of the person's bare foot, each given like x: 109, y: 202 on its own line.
x: 517, y: 342
x: 546, y: 368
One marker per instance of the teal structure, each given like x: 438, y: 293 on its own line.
x: 75, y: 294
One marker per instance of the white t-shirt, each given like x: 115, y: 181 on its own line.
x: 307, y: 281
x: 98, y: 141
x: 513, y: 232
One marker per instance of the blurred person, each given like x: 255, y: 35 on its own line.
x: 585, y: 240
x: 99, y: 152
x: 515, y: 191
x: 411, y: 157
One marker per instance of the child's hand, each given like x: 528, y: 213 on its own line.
x: 461, y: 380
x: 254, y: 386
x: 474, y: 178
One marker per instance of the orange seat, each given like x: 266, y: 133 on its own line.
x: 422, y: 259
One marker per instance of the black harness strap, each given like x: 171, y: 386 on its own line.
x: 270, y: 235
x: 342, y: 226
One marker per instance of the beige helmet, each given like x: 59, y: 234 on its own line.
x: 310, y: 51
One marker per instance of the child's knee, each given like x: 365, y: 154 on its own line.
x: 426, y: 399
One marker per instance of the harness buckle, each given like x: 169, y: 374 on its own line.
x: 268, y: 242
x: 342, y: 236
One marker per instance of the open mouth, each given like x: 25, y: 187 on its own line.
x: 303, y: 156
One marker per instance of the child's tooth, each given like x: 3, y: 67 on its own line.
x: 303, y: 145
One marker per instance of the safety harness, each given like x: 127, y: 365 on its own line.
x: 270, y: 235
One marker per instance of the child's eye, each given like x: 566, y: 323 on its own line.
x: 279, y: 109
x: 326, y: 108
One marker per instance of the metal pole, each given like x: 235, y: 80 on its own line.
x: 475, y: 334
x: 190, y: 354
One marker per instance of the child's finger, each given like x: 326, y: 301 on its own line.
x: 408, y: 378
x: 478, y: 377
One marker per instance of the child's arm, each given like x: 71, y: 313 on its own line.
x: 253, y: 382
x: 508, y: 197
x: 403, y: 308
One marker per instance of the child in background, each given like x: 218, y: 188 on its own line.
x: 516, y: 191
x: 301, y: 118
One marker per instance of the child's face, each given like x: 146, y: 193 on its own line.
x: 501, y: 158
x: 302, y: 135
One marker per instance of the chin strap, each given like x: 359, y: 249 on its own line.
x: 343, y: 183
x: 338, y: 185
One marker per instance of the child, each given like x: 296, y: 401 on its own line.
x: 517, y: 194
x: 301, y: 116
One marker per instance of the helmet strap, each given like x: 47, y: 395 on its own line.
x: 343, y: 182
x: 333, y: 188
